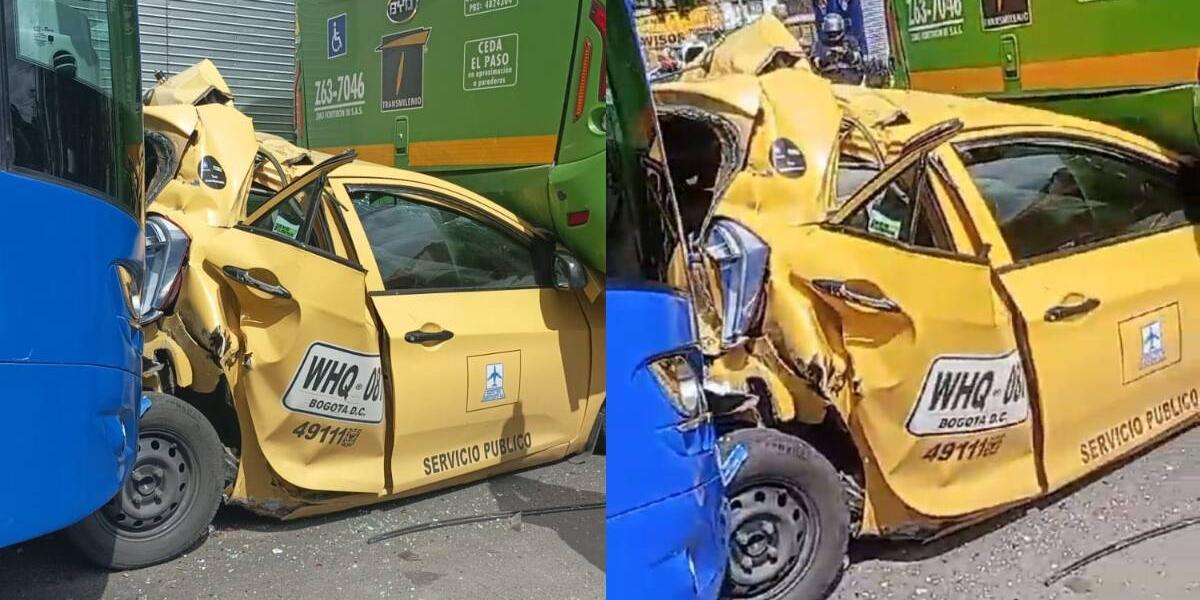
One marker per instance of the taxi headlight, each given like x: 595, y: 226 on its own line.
x: 741, y: 257
x: 166, y: 257
x: 681, y: 383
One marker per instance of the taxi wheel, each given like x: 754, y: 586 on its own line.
x: 789, y: 523
x: 167, y: 502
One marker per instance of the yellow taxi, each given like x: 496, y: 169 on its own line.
x: 328, y: 333
x: 922, y: 309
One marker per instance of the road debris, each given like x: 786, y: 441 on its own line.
x: 1120, y: 545
x: 435, y: 524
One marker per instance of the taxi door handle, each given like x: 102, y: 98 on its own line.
x: 840, y: 289
x: 1064, y: 311
x: 244, y: 277
x: 421, y: 337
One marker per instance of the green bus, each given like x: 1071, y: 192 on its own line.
x: 1130, y: 63
x: 503, y: 97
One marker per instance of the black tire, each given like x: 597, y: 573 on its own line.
x: 170, y: 497
x: 789, y: 523
x: 598, y: 435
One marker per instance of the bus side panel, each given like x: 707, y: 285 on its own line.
x: 1130, y: 64
x: 576, y: 189
x: 576, y: 184
x: 1166, y: 115
x: 956, y: 52
x: 583, y: 119
x: 455, y: 85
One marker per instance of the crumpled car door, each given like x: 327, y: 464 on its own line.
x: 311, y: 372
x: 486, y: 365
x: 940, y: 386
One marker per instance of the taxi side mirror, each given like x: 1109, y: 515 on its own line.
x: 568, y: 272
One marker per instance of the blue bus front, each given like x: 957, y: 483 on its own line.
x: 666, y: 529
x: 70, y: 177
x: 665, y: 516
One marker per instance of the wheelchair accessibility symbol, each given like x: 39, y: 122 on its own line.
x: 336, y: 36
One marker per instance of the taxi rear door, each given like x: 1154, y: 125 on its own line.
x: 1093, y: 242
x: 310, y: 371
x: 939, y: 380
x: 487, y: 362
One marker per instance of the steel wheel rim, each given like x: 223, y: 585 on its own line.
x: 160, y: 486
x: 773, y: 537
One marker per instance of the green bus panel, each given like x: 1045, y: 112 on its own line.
x: 451, y: 72
x: 496, y: 95
x: 1132, y: 63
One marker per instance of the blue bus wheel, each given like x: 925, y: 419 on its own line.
x: 170, y: 497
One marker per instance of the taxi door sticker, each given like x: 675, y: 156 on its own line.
x: 211, y: 173
x: 1002, y: 14
x: 787, y: 159
x: 338, y: 384
x: 493, y: 382
x: 969, y: 394
x: 1150, y: 342
x: 402, y: 64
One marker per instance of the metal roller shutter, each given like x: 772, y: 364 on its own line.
x: 252, y: 42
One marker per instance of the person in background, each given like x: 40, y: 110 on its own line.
x: 838, y: 56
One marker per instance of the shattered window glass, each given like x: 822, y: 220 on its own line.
x: 1048, y: 198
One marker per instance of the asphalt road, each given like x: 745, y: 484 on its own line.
x: 562, y: 556
x: 1009, y: 557
x: 557, y: 556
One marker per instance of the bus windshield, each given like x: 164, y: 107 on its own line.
x: 72, y: 87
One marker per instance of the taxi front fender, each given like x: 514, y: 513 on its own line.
x: 158, y: 344
x: 799, y: 356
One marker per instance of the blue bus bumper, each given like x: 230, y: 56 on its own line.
x: 666, y: 525
x: 67, y: 444
x: 673, y: 548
